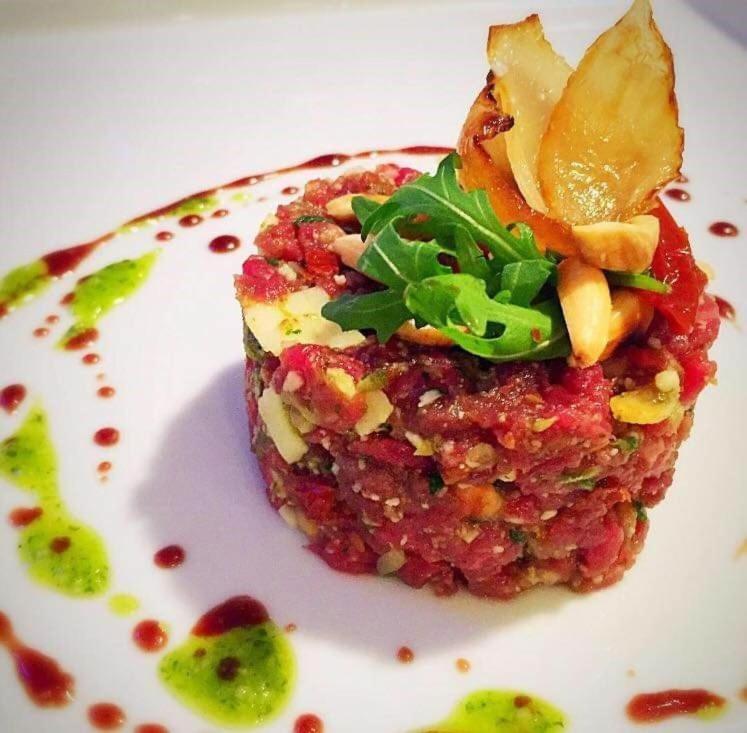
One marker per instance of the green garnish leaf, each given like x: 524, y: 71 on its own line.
x: 640, y: 511
x: 363, y: 207
x: 628, y: 443
x: 469, y: 256
x: 436, y: 206
x: 525, y: 279
x: 384, y: 312
x: 517, y: 536
x: 309, y: 219
x: 435, y: 483
x: 638, y: 281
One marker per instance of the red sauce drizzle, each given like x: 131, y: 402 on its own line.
x: 723, y: 229
x: 60, y: 544
x: 220, y: 213
x: 150, y: 636
x: 289, y: 190
x: 190, y: 220
x: 725, y: 309
x: 40, y: 333
x: 224, y: 243
x: 91, y: 359
x: 308, y: 723
x: 234, y: 613
x: 678, y: 194
x: 104, y: 467
x: 82, y: 340
x: 45, y: 682
x: 405, y: 655
x: 62, y: 261
x: 106, y: 436
x: 23, y: 516
x: 170, y: 556
x: 106, y: 392
x: 106, y: 716
x: 151, y: 728
x: 52, y: 319
x: 654, y: 706
x: 11, y: 397
x: 164, y: 236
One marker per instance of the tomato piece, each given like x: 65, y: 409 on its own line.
x: 674, y: 264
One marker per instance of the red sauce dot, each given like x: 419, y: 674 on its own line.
x: 82, y: 339
x: 60, y: 544
x: 104, y: 467
x: 228, y: 668
x: 654, y: 706
x: 164, y: 236
x: 723, y: 229
x: 67, y: 299
x: 11, y: 397
x: 106, y: 436
x: 190, y: 220
x: 308, y: 723
x: 463, y: 665
x: 236, y: 612
x: 52, y: 319
x: 40, y: 333
x: 106, y: 392
x: 106, y: 716
x: 91, y: 359
x: 23, y: 516
x: 290, y: 628
x: 521, y: 701
x: 149, y: 636
x: 151, y: 728
x: 290, y: 190
x: 220, y: 213
x: 199, y: 653
x: 224, y: 243
x: 170, y: 556
x: 678, y: 194
x: 405, y: 655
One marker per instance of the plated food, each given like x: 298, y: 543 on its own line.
x: 481, y: 377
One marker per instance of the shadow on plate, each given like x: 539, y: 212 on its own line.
x: 205, y: 492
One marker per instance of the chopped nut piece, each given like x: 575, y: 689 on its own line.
x: 341, y: 208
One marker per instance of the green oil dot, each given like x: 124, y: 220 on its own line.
x: 123, y: 604
x: 501, y: 711
x: 242, y: 677
x: 194, y: 205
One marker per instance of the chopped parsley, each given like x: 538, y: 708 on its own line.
x: 517, y: 536
x: 435, y: 483
x: 309, y: 219
x: 628, y: 443
x: 640, y: 511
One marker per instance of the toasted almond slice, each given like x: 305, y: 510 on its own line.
x: 625, y: 246
x: 425, y: 336
x: 341, y: 208
x: 530, y: 77
x: 349, y: 249
x: 586, y: 303
x: 630, y: 314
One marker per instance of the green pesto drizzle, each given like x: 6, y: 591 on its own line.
x: 260, y: 689
x: 23, y: 283
x: 97, y: 294
x: 194, y: 205
x: 28, y: 461
x: 497, y: 711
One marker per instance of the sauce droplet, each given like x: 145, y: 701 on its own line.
x: 149, y: 636
x: 82, y: 340
x: 239, y: 611
x: 106, y: 436
x: 164, y: 236
x: 405, y: 655
x: 654, y: 706
x: 219, y: 213
x: 91, y: 359
x: 104, y: 467
x: 151, y: 728
x: 725, y: 309
x: 289, y: 190
x: 59, y: 545
x: 45, y: 682
x: 67, y: 299
x: 463, y: 665
x: 723, y: 229
x: 11, y: 397
x: 290, y: 628
x: 106, y: 392
x: 23, y: 516
x: 106, y: 716
x: 170, y: 556
x: 678, y: 194
x: 308, y: 723
x: 52, y: 319
x: 224, y: 243
x: 190, y: 220
x: 40, y: 333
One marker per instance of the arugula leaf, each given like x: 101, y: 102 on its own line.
x: 525, y: 279
x: 435, y: 206
x: 392, y: 261
x: 639, y: 281
x: 449, y: 302
x: 469, y: 256
x: 363, y: 207
x: 383, y: 311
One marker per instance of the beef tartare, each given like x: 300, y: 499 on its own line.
x: 482, y: 377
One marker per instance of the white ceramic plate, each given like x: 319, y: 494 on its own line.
x: 103, y: 122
